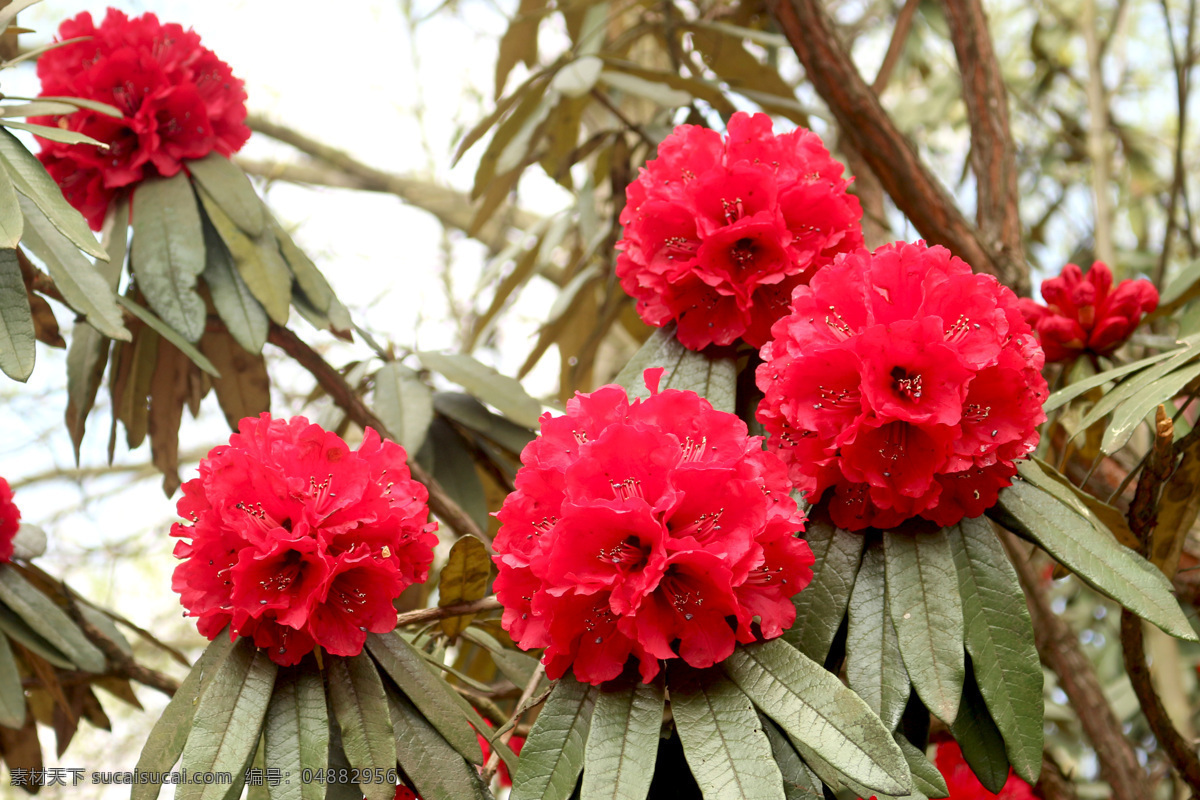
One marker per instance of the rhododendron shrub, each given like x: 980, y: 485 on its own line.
x: 10, y: 521
x: 298, y: 541
x: 1085, y: 314
x: 906, y: 383
x: 719, y: 231
x: 177, y: 99
x: 653, y: 529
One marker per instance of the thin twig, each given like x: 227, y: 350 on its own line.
x: 891, y: 58
x: 1183, y: 87
x: 1097, y: 136
x: 422, y: 615
x: 493, y: 761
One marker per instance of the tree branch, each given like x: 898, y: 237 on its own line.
x: 867, y: 127
x: 1059, y: 648
x: 348, y: 400
x: 993, y: 154
x: 423, y: 615
x: 904, y: 21
x: 122, y: 664
x: 1097, y: 136
x: 1183, y: 87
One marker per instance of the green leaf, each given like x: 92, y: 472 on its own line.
x: 927, y: 779
x: 18, y: 630
x: 115, y: 238
x: 433, y: 765
x: 32, y: 180
x: 799, y: 782
x: 472, y: 414
x: 297, y: 733
x: 874, y: 666
x: 714, y: 378
x: 999, y: 637
x: 61, y: 135
x: 48, y: 620
x: 12, y: 221
x: 503, y: 393
x: 1133, y: 385
x: 654, y: 91
x: 169, y: 734
x: 1069, y: 393
x: 81, y: 284
x: 168, y: 252
x: 552, y: 755
x: 170, y: 334
x: 722, y: 737
x: 258, y: 260
x: 515, y: 665
x: 817, y: 709
x: 463, y: 579
x: 77, y: 102
x: 1097, y: 558
x: 360, y: 705
x: 822, y: 604
x: 86, y: 359
x: 310, y: 280
x: 435, y: 699
x: 231, y: 189
x: 448, y: 456
x: 12, y: 693
x: 17, y: 348
x: 404, y: 404
x: 928, y: 618
x: 622, y: 745
x: 229, y: 719
x: 235, y: 304
x: 981, y: 741
x: 1131, y: 413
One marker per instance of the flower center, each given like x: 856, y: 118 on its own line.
x: 630, y: 487
x: 681, y: 599
x: 703, y: 527
x: 733, y: 211
x: 906, y: 384
x: 742, y: 252
x: 629, y: 554
x: 286, y: 576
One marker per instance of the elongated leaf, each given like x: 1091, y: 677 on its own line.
x: 469, y: 412
x: 17, y: 349
x: 12, y: 221
x: 503, y: 393
x: 74, y: 102
x: 622, y: 745
x: 361, y: 708
x: 297, y: 733
x: 169, y: 734
x: 53, y: 134
x: 1069, y: 393
x: 86, y: 359
x: 816, y: 708
x: 12, y: 694
x: 428, y: 692
x: 927, y: 779
x: 1131, y: 413
x: 799, y: 782
x: 712, y: 378
x: 822, y: 604
x: 168, y: 252
x: 82, y: 286
x: 32, y: 180
x: 1135, y: 383
x: 242, y: 314
x: 518, y: 667
x: 722, y: 737
x: 45, y: 617
x: 999, y: 637
x: 310, y: 280
x: 9, y: 13
x: 433, y: 765
x: 258, y: 260
x: 552, y: 755
x: 1097, y: 558
x: 244, y: 387
x: 170, y: 334
x: 463, y: 579
x: 874, y: 666
x: 231, y: 189
x: 928, y: 617
x: 229, y: 719
x: 981, y: 741
x: 448, y: 456
x: 404, y: 403
x: 19, y: 631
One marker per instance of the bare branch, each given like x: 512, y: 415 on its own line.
x: 423, y: 615
x: 1097, y: 136
x: 904, y: 21
x: 1183, y: 87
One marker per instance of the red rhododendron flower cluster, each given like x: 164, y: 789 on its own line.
x: 10, y: 521
x: 963, y: 784
x: 178, y: 99
x: 904, y: 381
x: 718, y: 233
x: 1083, y: 313
x: 298, y: 541
x: 650, y: 528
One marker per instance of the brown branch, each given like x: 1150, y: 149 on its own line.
x: 489, y: 769
x: 904, y: 21
x: 866, y: 126
x: 348, y: 400
x: 1183, y: 86
x: 992, y: 154
x: 424, y: 615
x: 1060, y: 649
x: 1052, y: 783
x: 453, y: 209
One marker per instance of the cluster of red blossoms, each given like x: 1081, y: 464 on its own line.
x: 719, y: 233
x: 907, y: 383
x: 962, y: 783
x: 10, y: 521
x: 655, y: 529
x: 1084, y: 314
x: 298, y: 541
x: 178, y: 99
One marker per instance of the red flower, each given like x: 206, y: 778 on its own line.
x: 649, y: 528
x: 10, y: 521
x: 404, y: 793
x: 178, y: 99
x: 718, y: 233
x: 1084, y: 313
x: 905, y: 382
x: 299, y: 541
x: 963, y: 784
